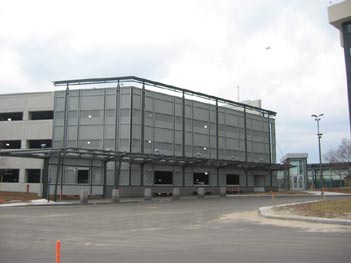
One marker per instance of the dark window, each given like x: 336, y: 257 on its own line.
x: 232, y: 179
x: 162, y: 177
x: 9, y: 175
x: 201, y: 178
x: 10, y: 144
x: 36, y: 144
x: 83, y: 177
x: 348, y: 28
x: 41, y: 115
x: 33, y: 175
x: 11, y: 116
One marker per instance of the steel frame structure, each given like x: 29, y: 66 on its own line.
x: 106, y: 156
x: 142, y: 158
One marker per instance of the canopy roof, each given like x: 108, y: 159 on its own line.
x: 138, y: 158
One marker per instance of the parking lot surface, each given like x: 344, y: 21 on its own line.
x: 211, y: 230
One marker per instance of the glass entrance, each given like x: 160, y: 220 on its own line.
x: 297, y: 182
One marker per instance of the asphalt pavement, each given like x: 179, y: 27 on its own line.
x: 210, y: 230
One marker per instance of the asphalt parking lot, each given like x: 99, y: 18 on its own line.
x: 210, y: 230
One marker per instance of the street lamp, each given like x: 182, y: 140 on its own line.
x: 317, y: 118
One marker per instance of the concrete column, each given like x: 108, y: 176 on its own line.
x: 25, y: 115
x: 201, y: 192
x: 115, y: 195
x: 22, y: 176
x: 222, y: 191
x: 176, y: 193
x: 147, y: 194
x: 83, y: 196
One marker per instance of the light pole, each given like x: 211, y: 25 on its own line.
x: 317, y: 118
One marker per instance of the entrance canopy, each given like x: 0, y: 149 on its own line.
x: 138, y: 158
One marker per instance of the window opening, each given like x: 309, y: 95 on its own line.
x: 9, y: 175
x: 41, y: 115
x: 37, y: 144
x: 33, y: 175
x: 11, y: 116
x: 83, y: 176
x: 163, y: 177
x: 201, y: 178
x: 10, y: 144
x: 232, y: 179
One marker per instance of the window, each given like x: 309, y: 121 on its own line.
x: 83, y: 176
x: 33, y: 175
x: 162, y: 177
x: 201, y: 178
x: 9, y: 175
x: 41, y: 115
x: 232, y: 179
x: 37, y: 144
x: 348, y: 28
x: 11, y: 116
x: 10, y: 144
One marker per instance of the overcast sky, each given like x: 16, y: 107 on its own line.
x: 211, y: 46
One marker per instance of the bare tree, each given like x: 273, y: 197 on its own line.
x: 340, y: 159
x: 340, y: 155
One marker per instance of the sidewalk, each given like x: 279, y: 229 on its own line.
x: 325, y: 193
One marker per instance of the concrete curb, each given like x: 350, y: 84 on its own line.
x: 267, y: 212
x: 141, y: 200
x: 136, y: 200
x: 67, y: 203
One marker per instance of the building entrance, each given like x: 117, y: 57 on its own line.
x: 259, y: 183
x: 297, y: 182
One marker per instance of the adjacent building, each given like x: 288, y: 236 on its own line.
x: 26, y: 122
x: 340, y: 17
x: 301, y: 175
x: 295, y: 178
x: 132, y: 133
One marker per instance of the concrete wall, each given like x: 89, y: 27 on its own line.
x: 24, y: 130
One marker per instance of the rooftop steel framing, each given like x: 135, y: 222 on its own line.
x: 159, y: 85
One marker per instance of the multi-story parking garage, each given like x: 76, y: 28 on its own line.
x: 26, y: 122
x: 132, y: 133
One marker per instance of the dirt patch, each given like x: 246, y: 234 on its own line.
x: 340, y: 209
x: 5, y: 197
x: 276, y: 193
x: 252, y: 216
x: 291, y: 193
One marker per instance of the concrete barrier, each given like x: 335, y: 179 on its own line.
x: 147, y: 194
x: 83, y: 197
x: 222, y: 191
x: 115, y: 196
x: 176, y: 194
x: 201, y: 192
